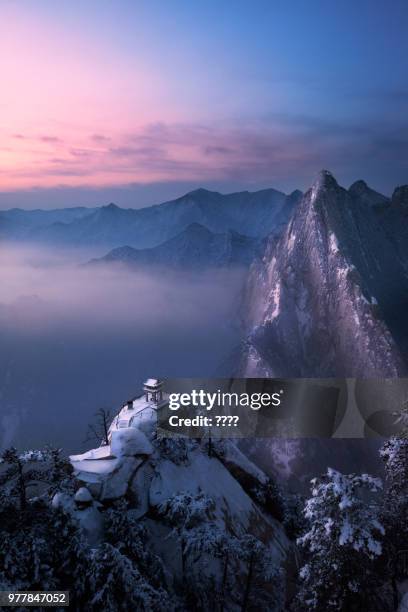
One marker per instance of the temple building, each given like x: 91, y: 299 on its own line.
x: 153, y: 389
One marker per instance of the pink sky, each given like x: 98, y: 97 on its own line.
x: 102, y: 93
x: 68, y: 104
x: 78, y: 109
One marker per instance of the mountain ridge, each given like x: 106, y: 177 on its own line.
x: 251, y: 213
x: 327, y: 299
x: 196, y: 247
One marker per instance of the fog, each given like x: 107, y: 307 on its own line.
x: 75, y: 338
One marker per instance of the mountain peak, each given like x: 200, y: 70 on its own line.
x: 325, y: 180
x: 400, y: 196
x: 359, y: 186
x: 111, y: 206
x: 365, y: 194
x: 199, y: 192
x: 196, y: 228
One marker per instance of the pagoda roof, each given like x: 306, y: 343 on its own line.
x: 153, y: 382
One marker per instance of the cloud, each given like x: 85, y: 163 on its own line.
x: 50, y: 139
x: 275, y: 148
x: 211, y: 150
x: 75, y: 338
x: 100, y: 138
x: 144, y: 152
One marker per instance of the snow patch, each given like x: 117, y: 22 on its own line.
x: 333, y: 244
x: 130, y: 442
x: 275, y: 296
x: 291, y: 242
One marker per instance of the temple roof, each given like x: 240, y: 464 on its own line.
x: 153, y: 383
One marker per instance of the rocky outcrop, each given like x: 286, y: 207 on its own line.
x: 364, y: 194
x: 330, y: 297
x: 394, y: 219
x: 147, y: 470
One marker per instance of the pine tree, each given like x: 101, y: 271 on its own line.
x: 115, y: 584
x: 41, y: 548
x: 203, y: 547
x: 70, y: 555
x: 394, y: 453
x: 45, y: 468
x: 343, y: 541
x: 294, y: 520
x: 263, y: 588
x: 185, y: 512
x: 19, y: 474
x: 125, y: 531
x: 59, y: 471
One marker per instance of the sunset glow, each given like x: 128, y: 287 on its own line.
x: 101, y: 96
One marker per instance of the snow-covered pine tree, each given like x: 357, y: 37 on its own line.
x: 343, y: 541
x: 402, y: 420
x: 41, y: 548
x: 45, y: 468
x: 394, y: 453
x: 204, y: 549
x: 294, y: 520
x: 70, y: 555
x: 18, y: 473
x: 58, y: 471
x: 263, y: 587
x: 175, y: 449
x: 212, y: 565
x: 184, y: 512
x: 115, y: 584
x: 127, y: 532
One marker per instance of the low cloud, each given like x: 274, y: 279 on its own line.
x: 75, y: 338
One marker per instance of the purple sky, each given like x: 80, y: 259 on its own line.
x: 141, y: 102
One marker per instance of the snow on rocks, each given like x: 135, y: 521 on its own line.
x: 108, y: 469
x: 335, y: 252
x: 83, y: 508
x: 148, y: 471
x: 116, y: 485
x: 130, y: 442
x: 171, y: 479
x: 83, y: 496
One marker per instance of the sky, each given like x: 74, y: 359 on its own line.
x: 139, y: 102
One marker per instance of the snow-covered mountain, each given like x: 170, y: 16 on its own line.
x: 330, y: 297
x: 194, y: 248
x: 253, y: 214
x: 188, y: 496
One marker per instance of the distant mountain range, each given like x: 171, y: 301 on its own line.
x: 194, y: 248
x: 330, y: 297
x: 253, y: 214
x: 17, y: 223
x: 327, y: 292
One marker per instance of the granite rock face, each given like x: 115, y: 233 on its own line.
x: 330, y: 297
x: 394, y: 219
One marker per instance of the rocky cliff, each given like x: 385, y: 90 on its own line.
x: 329, y: 298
